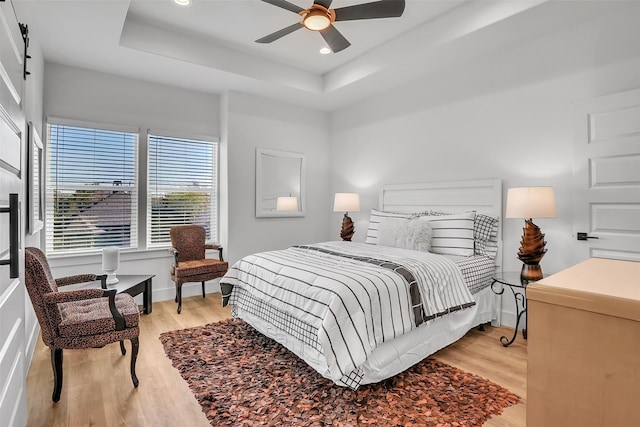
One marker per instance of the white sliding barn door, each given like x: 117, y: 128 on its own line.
x: 607, y: 177
x: 13, y: 402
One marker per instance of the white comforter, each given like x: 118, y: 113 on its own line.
x: 354, y: 304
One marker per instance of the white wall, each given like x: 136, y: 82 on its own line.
x: 253, y: 122
x: 508, y: 116
x: 243, y: 123
x: 75, y: 93
x: 79, y: 94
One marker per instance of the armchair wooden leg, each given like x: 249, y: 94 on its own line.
x: 179, y: 296
x: 56, y: 363
x: 135, y: 344
x: 122, y: 349
x: 203, y: 289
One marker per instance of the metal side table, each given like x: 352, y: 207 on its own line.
x: 518, y: 287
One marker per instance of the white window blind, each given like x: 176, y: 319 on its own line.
x: 91, y: 188
x: 182, y: 187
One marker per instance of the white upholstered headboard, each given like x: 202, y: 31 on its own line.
x: 483, y: 196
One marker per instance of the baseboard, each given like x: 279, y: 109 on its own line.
x: 188, y: 290
x: 509, y: 319
x: 31, y: 340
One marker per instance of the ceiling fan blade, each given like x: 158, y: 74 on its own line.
x: 285, y: 5
x: 334, y: 39
x: 376, y: 9
x: 324, y: 3
x: 280, y: 33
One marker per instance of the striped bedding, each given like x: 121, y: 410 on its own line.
x: 352, y: 296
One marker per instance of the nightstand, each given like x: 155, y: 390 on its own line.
x: 583, y: 367
x: 511, y: 279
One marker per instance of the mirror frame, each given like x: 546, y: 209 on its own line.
x: 262, y: 170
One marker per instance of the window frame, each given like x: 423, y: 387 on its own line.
x: 142, y: 172
x: 214, y: 208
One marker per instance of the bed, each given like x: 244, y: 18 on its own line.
x: 359, y: 313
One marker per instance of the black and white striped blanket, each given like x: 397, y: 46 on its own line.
x: 355, y: 295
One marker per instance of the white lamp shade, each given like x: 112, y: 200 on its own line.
x: 287, y: 204
x: 346, y: 202
x: 531, y: 202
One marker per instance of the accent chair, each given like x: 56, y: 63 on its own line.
x: 81, y: 318
x: 190, y: 263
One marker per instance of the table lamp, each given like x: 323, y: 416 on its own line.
x: 528, y: 203
x: 345, y: 202
x: 110, y: 263
x: 287, y: 204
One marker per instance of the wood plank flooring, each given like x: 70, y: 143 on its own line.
x: 97, y: 388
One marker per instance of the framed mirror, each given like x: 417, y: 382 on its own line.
x: 279, y: 174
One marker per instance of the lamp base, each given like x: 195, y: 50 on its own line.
x: 530, y: 273
x: 112, y: 279
x: 348, y: 228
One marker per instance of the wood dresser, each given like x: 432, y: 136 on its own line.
x: 584, y: 346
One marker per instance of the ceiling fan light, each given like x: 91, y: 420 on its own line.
x: 316, y: 20
x: 182, y: 2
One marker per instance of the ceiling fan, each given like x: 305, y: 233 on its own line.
x: 319, y: 17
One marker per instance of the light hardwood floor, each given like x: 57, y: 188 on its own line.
x: 97, y: 388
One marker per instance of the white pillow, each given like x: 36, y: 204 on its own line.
x: 405, y: 234
x: 452, y: 234
x: 376, y: 218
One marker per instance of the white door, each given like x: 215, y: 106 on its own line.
x: 13, y: 402
x: 606, y: 177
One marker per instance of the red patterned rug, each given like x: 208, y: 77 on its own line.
x: 240, y: 377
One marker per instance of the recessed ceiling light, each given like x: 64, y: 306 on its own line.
x: 325, y: 50
x: 182, y: 2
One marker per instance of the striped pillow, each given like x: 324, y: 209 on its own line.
x: 376, y: 218
x: 485, y: 233
x: 452, y: 234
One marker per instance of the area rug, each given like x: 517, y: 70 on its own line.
x: 240, y: 377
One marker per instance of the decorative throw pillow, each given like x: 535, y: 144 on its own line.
x: 374, y: 221
x: 405, y: 234
x: 485, y: 233
x: 452, y: 234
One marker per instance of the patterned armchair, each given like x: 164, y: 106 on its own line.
x: 189, y: 262
x: 83, y: 318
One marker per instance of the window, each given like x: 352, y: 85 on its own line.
x: 93, y: 185
x: 182, y: 187
x: 91, y: 188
